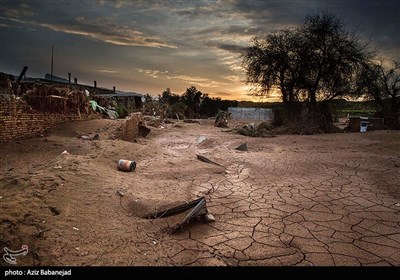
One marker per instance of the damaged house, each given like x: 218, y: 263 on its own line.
x: 131, y: 100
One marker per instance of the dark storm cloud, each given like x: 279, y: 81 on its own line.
x: 105, y: 28
x: 109, y: 32
x: 195, y: 12
x: 375, y: 20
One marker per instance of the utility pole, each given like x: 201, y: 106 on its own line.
x: 52, y: 61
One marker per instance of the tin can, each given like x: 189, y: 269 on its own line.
x: 126, y: 165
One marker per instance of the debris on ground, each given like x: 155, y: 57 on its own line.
x: 65, y: 153
x: 191, y: 121
x: 221, y: 119
x: 242, y: 147
x: 204, y: 159
x: 168, y: 121
x: 199, y: 209
x: 126, y: 165
x: 209, y: 218
x: 201, y: 139
x: 153, y: 121
x: 263, y: 129
x: 86, y: 137
x: 106, y: 112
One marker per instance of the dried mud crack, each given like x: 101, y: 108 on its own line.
x: 289, y: 200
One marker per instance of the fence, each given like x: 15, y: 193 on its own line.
x: 256, y: 114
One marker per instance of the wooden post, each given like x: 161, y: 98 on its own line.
x: 52, y: 62
x: 22, y: 74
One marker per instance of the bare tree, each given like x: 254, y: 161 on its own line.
x: 331, y: 57
x: 273, y: 62
x: 318, y: 61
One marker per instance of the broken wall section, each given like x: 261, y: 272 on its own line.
x: 18, y: 120
x: 130, y: 129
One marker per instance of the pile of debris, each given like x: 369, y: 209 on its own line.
x: 108, y: 113
x: 154, y: 121
x: 221, y: 119
x: 49, y: 98
x: 263, y: 129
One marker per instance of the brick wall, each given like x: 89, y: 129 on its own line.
x: 19, y: 121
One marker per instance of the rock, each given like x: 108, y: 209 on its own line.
x: 54, y: 210
x: 242, y: 147
x: 201, y: 139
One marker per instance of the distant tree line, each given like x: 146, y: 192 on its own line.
x: 318, y: 62
x: 191, y: 104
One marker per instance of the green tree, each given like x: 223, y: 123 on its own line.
x: 168, y: 97
x: 192, y: 99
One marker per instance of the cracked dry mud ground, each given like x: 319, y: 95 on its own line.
x: 290, y: 200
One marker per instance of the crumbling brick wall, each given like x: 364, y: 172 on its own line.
x: 19, y: 121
